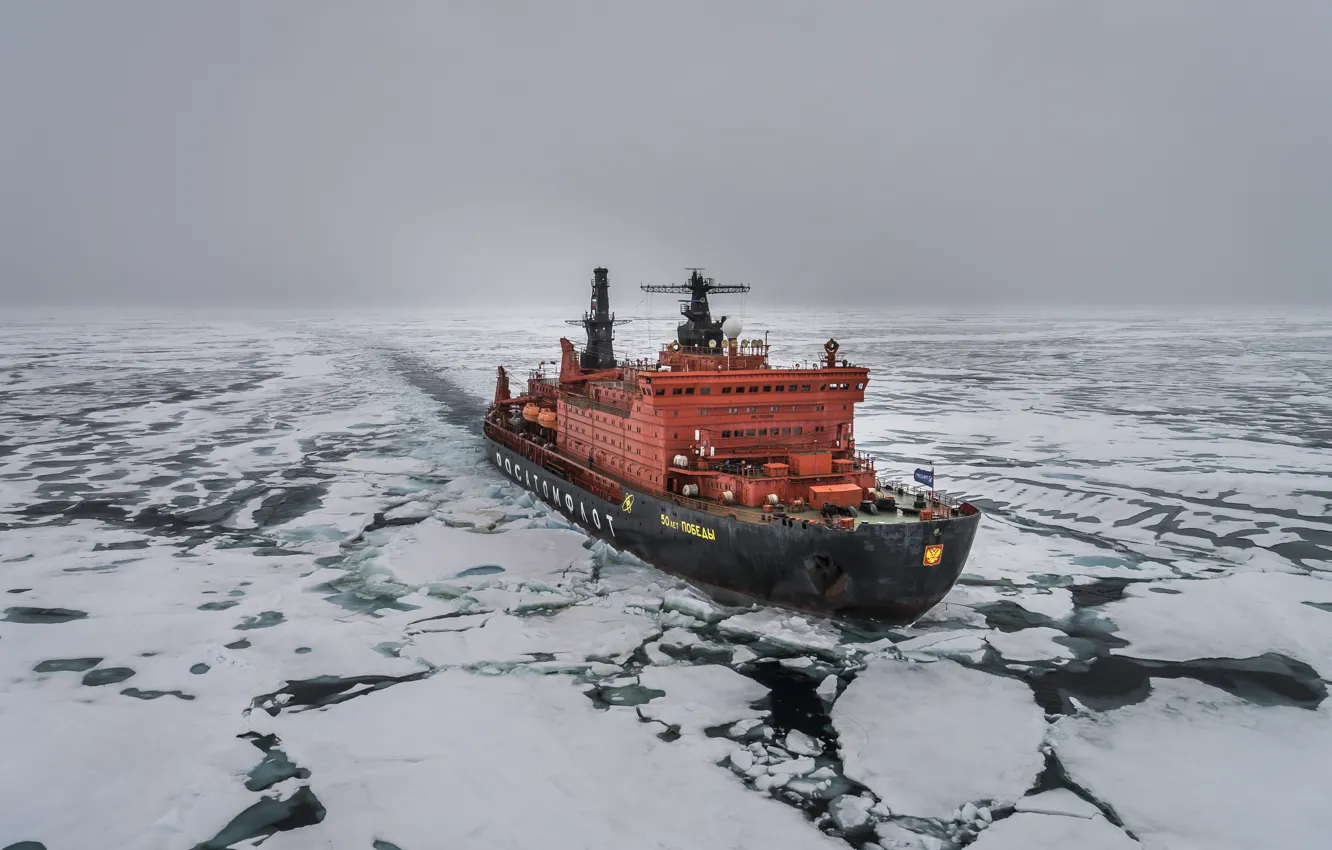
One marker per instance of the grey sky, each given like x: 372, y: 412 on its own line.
x: 428, y: 153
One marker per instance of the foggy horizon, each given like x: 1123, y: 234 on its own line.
x: 433, y: 156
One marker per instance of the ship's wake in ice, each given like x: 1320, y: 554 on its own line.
x: 260, y: 585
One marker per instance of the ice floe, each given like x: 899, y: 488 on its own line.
x: 929, y: 737
x: 1233, y: 616
x: 1025, y: 830
x: 1057, y: 801
x: 783, y: 630
x: 700, y: 697
x: 437, y: 556
x: 1168, y: 768
x: 1035, y: 644
x: 954, y: 643
x: 586, y: 632
x: 543, y: 768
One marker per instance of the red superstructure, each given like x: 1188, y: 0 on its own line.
x: 715, y: 422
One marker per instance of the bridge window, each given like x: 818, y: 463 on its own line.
x: 781, y: 389
x: 786, y: 432
x: 676, y: 391
x: 822, y: 387
x: 804, y: 388
x: 725, y: 434
x: 798, y: 430
x: 661, y: 392
x: 774, y: 408
x: 726, y: 390
x: 689, y: 390
x: 739, y: 389
x: 749, y: 432
x: 763, y: 432
x: 753, y: 389
x: 791, y: 388
x: 767, y: 388
x: 749, y: 410
x: 818, y: 407
x: 705, y: 390
x: 860, y: 386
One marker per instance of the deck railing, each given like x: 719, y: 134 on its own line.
x: 596, y: 483
x: 936, y: 497
x: 575, y: 400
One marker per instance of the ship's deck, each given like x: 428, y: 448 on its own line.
x: 749, y: 514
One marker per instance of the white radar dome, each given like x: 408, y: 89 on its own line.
x: 732, y: 327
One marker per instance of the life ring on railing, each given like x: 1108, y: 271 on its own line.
x: 675, y: 346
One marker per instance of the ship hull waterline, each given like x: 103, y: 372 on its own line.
x: 876, y: 572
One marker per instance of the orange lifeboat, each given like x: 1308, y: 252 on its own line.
x: 531, y: 412
x: 547, y: 419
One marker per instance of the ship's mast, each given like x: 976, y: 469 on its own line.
x: 600, y: 324
x: 698, y: 330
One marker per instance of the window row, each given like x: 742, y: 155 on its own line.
x: 766, y: 432
x: 756, y: 388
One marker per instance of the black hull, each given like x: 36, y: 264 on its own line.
x: 875, y: 572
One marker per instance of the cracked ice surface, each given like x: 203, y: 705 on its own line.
x: 432, y: 554
x: 577, y: 633
x: 700, y: 697
x: 1024, y: 831
x: 1168, y: 768
x: 251, y: 528
x: 515, y: 762
x: 930, y: 737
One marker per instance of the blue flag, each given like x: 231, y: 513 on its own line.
x: 925, y: 476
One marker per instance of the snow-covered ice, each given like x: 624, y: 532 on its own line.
x: 1233, y: 616
x: 576, y: 633
x: 1034, y: 644
x: 783, y: 629
x: 1168, y: 768
x: 700, y: 697
x: 287, y: 527
x: 1057, y: 801
x: 517, y: 762
x: 930, y: 737
x: 1026, y: 831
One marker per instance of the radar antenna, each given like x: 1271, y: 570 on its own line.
x: 698, y: 329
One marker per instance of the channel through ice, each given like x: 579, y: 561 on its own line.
x: 260, y: 586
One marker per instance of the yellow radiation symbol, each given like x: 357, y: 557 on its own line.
x: 628, y: 504
x: 933, y: 555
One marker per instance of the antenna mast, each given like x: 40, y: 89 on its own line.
x: 698, y: 328
x: 600, y: 324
